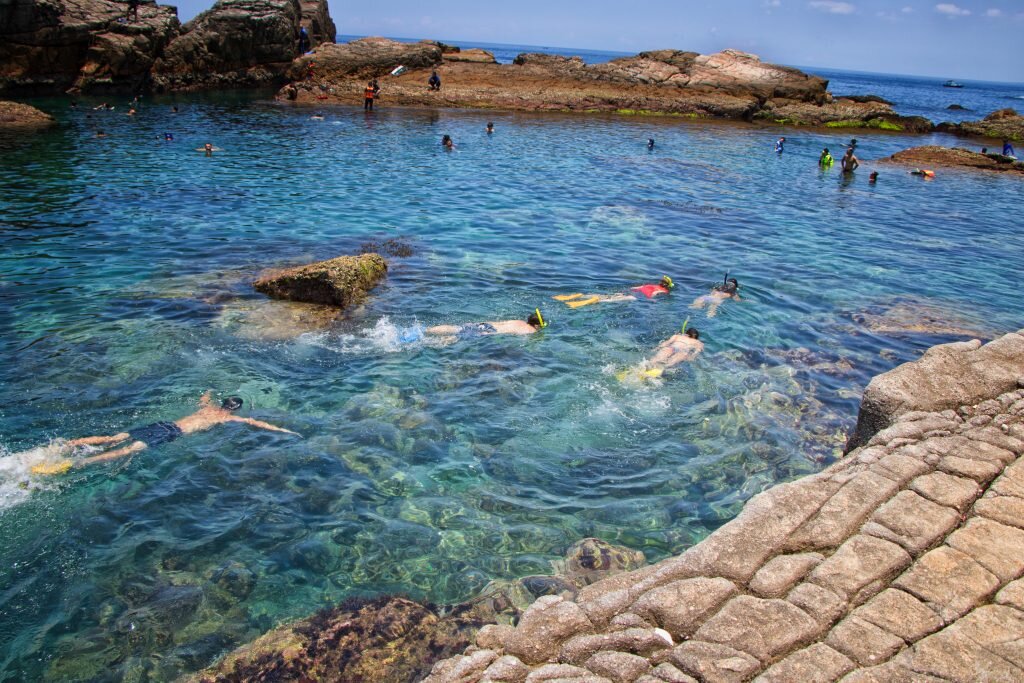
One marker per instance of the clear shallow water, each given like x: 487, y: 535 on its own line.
x: 124, y: 271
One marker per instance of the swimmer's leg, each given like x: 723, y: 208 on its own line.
x: 583, y: 302
x: 133, y: 447
x: 713, y: 308
x: 96, y: 440
x: 699, y: 302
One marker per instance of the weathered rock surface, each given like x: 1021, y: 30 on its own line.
x: 729, y: 84
x: 14, y: 115
x: 54, y: 45
x: 341, y: 281
x: 931, y: 156
x: 1004, y: 124
x: 887, y: 566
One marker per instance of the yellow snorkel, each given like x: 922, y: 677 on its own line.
x: 685, y: 323
x: 540, y: 318
x: 667, y: 281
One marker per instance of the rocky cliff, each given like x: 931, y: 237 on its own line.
x: 52, y: 46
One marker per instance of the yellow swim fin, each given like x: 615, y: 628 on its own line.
x: 567, y: 297
x: 51, y: 468
x: 639, y: 374
x: 653, y: 373
x: 583, y: 302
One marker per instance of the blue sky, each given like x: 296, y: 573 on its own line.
x: 963, y: 39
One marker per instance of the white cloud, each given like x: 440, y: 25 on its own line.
x: 951, y: 9
x: 994, y: 13
x: 833, y: 7
x: 771, y: 4
x: 907, y: 10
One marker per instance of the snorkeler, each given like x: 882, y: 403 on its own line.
x: 533, y: 323
x: 141, y: 438
x: 649, y: 290
x: 825, y: 160
x: 923, y: 172
x: 681, y: 347
x: 490, y: 127
x: 729, y: 289
x: 849, y: 162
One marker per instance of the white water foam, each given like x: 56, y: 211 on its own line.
x: 16, y: 479
x: 384, y: 336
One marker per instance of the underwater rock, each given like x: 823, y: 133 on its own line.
x: 16, y: 116
x: 393, y: 246
x: 592, y: 559
x: 269, y: 320
x: 918, y: 316
x: 341, y: 281
x: 235, y: 578
x: 956, y: 157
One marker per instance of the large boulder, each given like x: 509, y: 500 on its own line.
x: 341, y: 281
x: 931, y: 156
x: 317, y: 20
x: 16, y: 116
x: 1004, y: 124
x: 89, y: 45
x: 945, y: 377
x: 367, y: 58
x: 236, y: 43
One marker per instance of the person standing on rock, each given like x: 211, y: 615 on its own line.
x: 133, y: 10
x: 850, y: 162
x: 368, y: 94
x: 303, y: 40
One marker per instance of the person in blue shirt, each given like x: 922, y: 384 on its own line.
x: 434, y: 82
x: 780, y: 144
x: 1008, y: 149
x: 303, y: 40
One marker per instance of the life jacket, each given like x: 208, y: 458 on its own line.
x: 650, y: 290
x: 368, y: 93
x: 827, y: 160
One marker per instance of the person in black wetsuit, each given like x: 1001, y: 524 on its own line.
x: 141, y: 438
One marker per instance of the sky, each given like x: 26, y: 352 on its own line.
x: 981, y: 40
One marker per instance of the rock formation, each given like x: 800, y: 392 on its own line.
x: 53, y: 45
x: 15, y: 116
x: 1004, y: 124
x: 902, y: 562
x: 341, y: 281
x: 933, y: 157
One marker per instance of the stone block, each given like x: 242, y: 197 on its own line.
x: 998, y: 629
x: 1012, y: 594
x: 863, y: 642
x: 628, y: 620
x: 823, y: 605
x: 890, y: 672
x: 815, y: 664
x: 998, y: 439
x: 563, y: 673
x: 469, y: 668
x: 713, y: 663
x: 761, y: 628
x: 636, y: 641
x: 948, y: 581
x: 667, y: 673
x: 900, y: 468
x: 953, y: 656
x: 978, y: 470
x: 996, y: 547
x: 842, y: 515
x: 492, y: 636
x: 1012, y: 481
x: 543, y: 627
x: 680, y: 607
x: 945, y: 489
x: 1004, y: 509
x: 917, y: 522
x: 781, y: 573
x: 901, y: 614
x: 507, y: 669
x: 619, y: 667
x: 859, y: 563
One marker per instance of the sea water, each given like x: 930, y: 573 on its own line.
x: 426, y: 468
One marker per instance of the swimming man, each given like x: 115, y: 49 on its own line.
x: 649, y: 290
x: 141, y: 438
x: 533, y: 323
x: 729, y: 289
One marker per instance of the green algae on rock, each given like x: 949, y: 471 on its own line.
x: 341, y: 281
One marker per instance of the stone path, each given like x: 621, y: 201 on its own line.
x: 902, y: 562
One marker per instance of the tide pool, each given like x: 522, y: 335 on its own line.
x: 428, y: 469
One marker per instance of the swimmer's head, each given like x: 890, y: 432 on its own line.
x: 536, y: 319
x: 666, y: 282
x: 692, y: 333
x: 730, y: 286
x: 874, y: 176
x: 825, y: 151
x: 208, y: 145
x: 231, y: 403
x: 446, y: 140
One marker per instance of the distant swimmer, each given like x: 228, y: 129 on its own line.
x: 650, y: 290
x: 825, y: 160
x: 446, y: 142
x: 131, y: 112
x: 873, y: 178
x: 853, y: 143
x: 141, y: 438
x: 490, y: 127
x: 1008, y: 149
x: 849, y: 162
x: 650, y: 143
x: 100, y: 134
x: 729, y: 289
x: 168, y: 137
x: 923, y: 172
x: 533, y: 323
x: 209, y: 149
x: 780, y: 145
x: 317, y: 116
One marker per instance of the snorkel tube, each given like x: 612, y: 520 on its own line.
x: 540, y: 318
x: 685, y: 323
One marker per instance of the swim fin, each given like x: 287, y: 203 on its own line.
x: 583, y: 302
x: 51, y: 468
x: 567, y: 297
x: 639, y: 373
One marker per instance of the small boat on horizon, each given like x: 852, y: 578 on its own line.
x: 952, y: 84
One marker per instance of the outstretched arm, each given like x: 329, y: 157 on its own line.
x: 263, y: 425
x: 133, y: 447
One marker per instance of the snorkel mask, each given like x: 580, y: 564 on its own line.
x: 540, y: 318
x: 666, y: 281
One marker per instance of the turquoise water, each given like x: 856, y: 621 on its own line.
x: 429, y: 470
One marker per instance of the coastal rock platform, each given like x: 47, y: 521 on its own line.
x: 901, y: 562
x: 945, y: 157
x: 1004, y: 124
x: 16, y: 116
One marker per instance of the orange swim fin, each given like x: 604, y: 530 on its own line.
x: 583, y: 302
x: 567, y: 297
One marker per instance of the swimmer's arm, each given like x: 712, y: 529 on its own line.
x: 133, y: 447
x: 263, y: 425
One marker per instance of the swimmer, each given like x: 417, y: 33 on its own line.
x: 650, y: 143
x: 490, y: 127
x: 679, y: 348
x: 317, y: 117
x: 849, y: 162
x: 729, y: 289
x: 873, y: 178
x: 825, y: 160
x: 208, y: 148
x: 174, y: 109
x: 780, y: 145
x: 168, y: 137
x: 141, y: 438
x: 923, y: 172
x: 650, y: 290
x: 533, y: 323
x: 100, y: 134
x: 853, y: 143
x: 447, y: 143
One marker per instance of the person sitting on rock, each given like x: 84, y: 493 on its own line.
x: 141, y: 438
x: 435, y: 81
x: 849, y: 162
x: 533, y: 323
x: 1008, y: 149
x: 649, y: 290
x: 729, y: 289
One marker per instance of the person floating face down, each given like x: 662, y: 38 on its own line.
x: 534, y: 323
x: 729, y: 289
x: 148, y: 436
x: 434, y: 81
x: 649, y: 290
x: 681, y: 347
